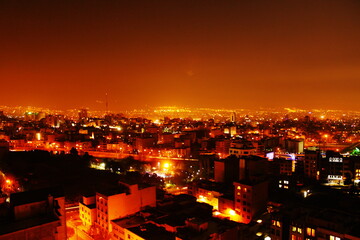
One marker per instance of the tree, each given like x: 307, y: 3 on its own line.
x: 74, y: 152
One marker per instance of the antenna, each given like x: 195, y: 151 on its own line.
x: 106, y: 104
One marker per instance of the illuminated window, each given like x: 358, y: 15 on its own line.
x: 299, y: 230
x: 293, y: 229
x: 238, y: 187
x: 334, y: 238
x: 310, y: 232
x: 278, y: 224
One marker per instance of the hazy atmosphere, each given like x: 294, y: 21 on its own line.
x: 69, y: 54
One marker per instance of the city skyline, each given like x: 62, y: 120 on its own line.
x: 228, y: 55
x: 180, y: 120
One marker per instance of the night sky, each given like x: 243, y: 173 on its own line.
x: 228, y: 54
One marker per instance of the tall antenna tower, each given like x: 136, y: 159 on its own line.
x: 106, y: 104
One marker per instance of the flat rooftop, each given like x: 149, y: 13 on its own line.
x: 152, y: 232
x: 32, y: 196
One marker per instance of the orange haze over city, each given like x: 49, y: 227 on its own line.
x: 230, y: 54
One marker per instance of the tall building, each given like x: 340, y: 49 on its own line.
x: 83, y: 115
x: 233, y: 168
x: 335, y: 166
x: 227, y: 170
x: 250, y: 199
x: 311, y: 164
x: 294, y: 145
x: 87, y: 210
x: 222, y: 146
x: 233, y: 117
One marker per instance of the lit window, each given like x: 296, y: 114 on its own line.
x: 310, y: 232
x: 239, y: 187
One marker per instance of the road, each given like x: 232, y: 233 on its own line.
x: 106, y: 154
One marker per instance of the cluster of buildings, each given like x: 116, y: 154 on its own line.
x: 244, y: 165
x: 133, y: 212
x: 176, y: 137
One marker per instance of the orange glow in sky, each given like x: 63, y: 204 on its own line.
x: 69, y: 54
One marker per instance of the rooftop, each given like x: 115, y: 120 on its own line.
x: 152, y: 232
x: 14, y: 226
x: 21, y: 198
x: 131, y: 221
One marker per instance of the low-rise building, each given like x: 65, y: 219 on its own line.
x: 34, y: 215
x: 114, y: 204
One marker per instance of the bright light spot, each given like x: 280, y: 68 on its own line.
x: 232, y: 212
x: 258, y: 234
x: 101, y: 166
x: 259, y: 221
x: 217, y: 213
x: 267, y: 238
x: 305, y: 194
x: 38, y: 136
